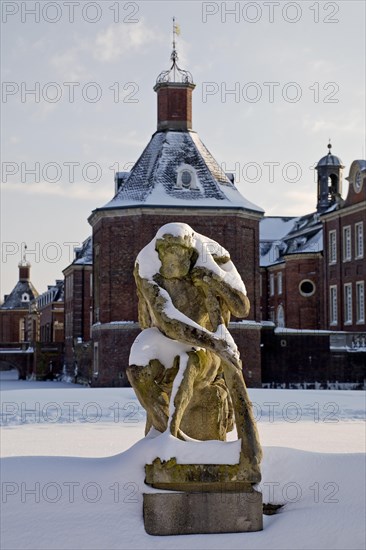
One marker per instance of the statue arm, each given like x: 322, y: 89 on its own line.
x: 178, y: 326
x: 236, y: 301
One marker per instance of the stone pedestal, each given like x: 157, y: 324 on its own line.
x: 189, y: 513
x: 209, y: 498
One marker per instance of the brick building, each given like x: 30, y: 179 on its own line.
x: 176, y: 179
x: 78, y: 310
x: 313, y: 271
x: 294, y: 270
x: 344, y: 256
x: 15, y: 308
x: 291, y: 271
x: 50, y: 308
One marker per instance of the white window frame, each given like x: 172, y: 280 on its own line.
x: 271, y: 284
x: 347, y: 292
x: 279, y: 282
x: 333, y: 304
x: 347, y: 243
x: 280, y: 316
x: 193, y: 185
x: 359, y: 243
x: 360, y: 302
x: 332, y: 246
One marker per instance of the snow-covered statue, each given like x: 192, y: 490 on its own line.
x: 184, y: 366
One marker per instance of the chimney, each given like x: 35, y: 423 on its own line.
x: 24, y: 271
x: 174, y: 105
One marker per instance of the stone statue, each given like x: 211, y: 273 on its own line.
x: 184, y: 366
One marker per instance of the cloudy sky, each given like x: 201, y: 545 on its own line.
x: 274, y: 80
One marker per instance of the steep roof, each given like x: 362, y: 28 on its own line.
x: 153, y: 179
x: 19, y: 298
x: 84, y: 254
x: 280, y: 237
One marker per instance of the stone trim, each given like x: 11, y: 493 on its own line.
x: 311, y: 255
x: 193, y: 211
x: 113, y: 325
x: 246, y: 325
x: 344, y: 211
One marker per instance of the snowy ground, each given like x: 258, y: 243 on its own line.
x: 72, y: 470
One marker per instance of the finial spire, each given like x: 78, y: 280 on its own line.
x: 175, y: 73
x: 24, y: 261
x: 329, y: 147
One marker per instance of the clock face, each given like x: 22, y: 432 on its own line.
x: 357, y: 184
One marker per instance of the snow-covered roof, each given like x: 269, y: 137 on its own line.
x: 19, y: 298
x: 273, y: 228
x: 283, y: 236
x: 54, y: 293
x: 84, y: 254
x: 154, y: 179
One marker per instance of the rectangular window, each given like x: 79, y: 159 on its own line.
x: 332, y: 247
x: 22, y: 329
x: 347, y: 244
x: 360, y: 301
x: 359, y: 240
x: 271, y: 284
x: 348, y: 303
x: 279, y: 282
x: 95, y: 359
x: 333, y: 303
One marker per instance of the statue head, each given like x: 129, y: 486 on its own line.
x: 175, y: 247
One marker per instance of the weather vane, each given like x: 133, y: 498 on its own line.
x: 175, y: 73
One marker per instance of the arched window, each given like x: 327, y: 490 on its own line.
x: 333, y: 187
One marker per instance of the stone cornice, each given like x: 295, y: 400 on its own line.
x: 115, y: 325
x: 98, y: 214
x: 342, y: 212
x: 303, y: 255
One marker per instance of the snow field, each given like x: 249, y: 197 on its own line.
x: 72, y: 470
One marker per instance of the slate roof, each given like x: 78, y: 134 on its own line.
x: 14, y: 299
x: 330, y: 160
x: 54, y: 293
x: 84, y: 254
x: 280, y: 237
x: 153, y: 179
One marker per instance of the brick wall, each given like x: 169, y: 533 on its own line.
x: 343, y: 272
x: 78, y: 301
x: 9, y: 324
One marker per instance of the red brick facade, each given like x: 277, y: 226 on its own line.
x: 174, y: 105
x: 345, y: 259
x: 78, y: 304
x: 12, y: 325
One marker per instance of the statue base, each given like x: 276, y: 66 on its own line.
x: 210, y: 498
x: 189, y: 513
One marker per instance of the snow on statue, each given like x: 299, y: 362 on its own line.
x: 184, y: 366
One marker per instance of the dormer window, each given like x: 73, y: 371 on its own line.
x: 186, y: 178
x: 25, y: 297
